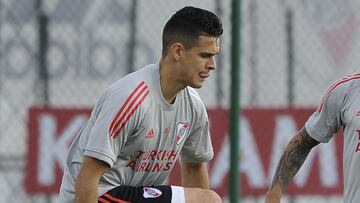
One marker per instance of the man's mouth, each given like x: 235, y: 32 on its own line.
x: 204, y: 75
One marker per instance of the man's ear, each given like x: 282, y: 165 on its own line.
x: 176, y: 51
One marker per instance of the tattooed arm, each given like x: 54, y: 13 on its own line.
x: 289, y: 164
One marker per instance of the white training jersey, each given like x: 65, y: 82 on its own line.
x: 340, y: 107
x: 134, y: 130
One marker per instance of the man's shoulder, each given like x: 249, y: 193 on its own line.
x: 194, y: 99
x: 137, y: 81
x: 340, y: 89
x: 193, y: 94
x: 354, y: 81
x: 344, y: 85
x: 129, y: 90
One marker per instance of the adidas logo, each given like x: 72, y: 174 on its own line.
x: 150, y: 133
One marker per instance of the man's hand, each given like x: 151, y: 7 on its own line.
x: 86, y: 188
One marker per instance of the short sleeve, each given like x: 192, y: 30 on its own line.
x: 110, y: 130
x: 198, y: 147
x: 326, y: 120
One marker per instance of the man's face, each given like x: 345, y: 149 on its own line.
x: 199, y: 61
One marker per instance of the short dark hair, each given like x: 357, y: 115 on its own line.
x: 187, y: 24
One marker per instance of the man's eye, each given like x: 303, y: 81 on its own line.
x: 206, y: 55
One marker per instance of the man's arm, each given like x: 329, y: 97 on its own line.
x: 86, y: 188
x: 194, y: 175
x: 292, y: 159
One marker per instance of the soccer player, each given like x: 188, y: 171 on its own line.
x: 339, y: 108
x: 146, y: 120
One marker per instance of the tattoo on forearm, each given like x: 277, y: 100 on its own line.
x: 292, y: 159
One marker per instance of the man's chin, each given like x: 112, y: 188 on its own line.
x: 196, y: 86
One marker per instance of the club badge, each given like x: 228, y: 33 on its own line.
x: 181, y: 130
x: 151, y: 192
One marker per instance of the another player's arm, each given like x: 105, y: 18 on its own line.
x: 194, y: 175
x: 86, y: 188
x: 292, y: 159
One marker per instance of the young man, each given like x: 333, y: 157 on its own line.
x: 146, y: 120
x: 339, y: 108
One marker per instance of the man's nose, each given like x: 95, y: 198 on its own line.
x: 211, y: 63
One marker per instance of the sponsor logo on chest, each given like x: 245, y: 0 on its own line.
x: 181, y: 130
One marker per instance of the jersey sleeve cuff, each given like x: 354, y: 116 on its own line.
x: 315, y: 135
x: 197, y: 159
x: 100, y: 156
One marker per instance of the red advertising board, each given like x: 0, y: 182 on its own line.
x: 50, y: 132
x: 264, y: 135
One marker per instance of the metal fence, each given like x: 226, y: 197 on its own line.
x: 63, y: 53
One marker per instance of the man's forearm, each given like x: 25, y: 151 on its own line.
x: 86, y: 190
x: 86, y: 194
x: 194, y: 175
x: 292, y: 159
x: 198, y: 181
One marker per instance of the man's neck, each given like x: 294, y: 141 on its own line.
x: 168, y: 82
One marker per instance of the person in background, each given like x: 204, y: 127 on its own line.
x: 339, y: 108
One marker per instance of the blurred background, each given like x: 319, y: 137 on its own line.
x: 57, y: 56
